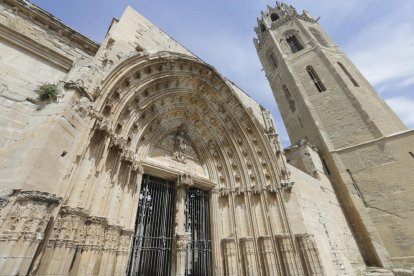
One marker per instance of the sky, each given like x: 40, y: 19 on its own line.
x: 377, y: 35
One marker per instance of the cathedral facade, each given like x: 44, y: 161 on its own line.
x: 135, y: 157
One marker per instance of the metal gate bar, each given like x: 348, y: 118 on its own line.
x: 198, y: 257
x: 151, y: 252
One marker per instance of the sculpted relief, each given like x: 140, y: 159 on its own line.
x: 176, y: 151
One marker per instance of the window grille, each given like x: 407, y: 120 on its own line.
x: 315, y: 79
x: 294, y: 43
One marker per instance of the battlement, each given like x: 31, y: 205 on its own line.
x: 276, y: 16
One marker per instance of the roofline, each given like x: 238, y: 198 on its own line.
x: 45, y: 18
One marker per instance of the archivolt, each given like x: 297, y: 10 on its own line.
x: 146, y: 97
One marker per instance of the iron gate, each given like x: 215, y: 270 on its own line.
x: 198, y: 260
x: 151, y: 252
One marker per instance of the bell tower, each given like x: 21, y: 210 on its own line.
x: 324, y: 99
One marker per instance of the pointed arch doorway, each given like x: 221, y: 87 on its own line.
x: 158, y: 248
x: 152, y: 243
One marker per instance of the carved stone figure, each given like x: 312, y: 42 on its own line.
x: 180, y: 144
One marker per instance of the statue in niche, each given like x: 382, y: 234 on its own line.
x: 180, y: 145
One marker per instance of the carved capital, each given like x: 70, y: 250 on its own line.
x: 271, y: 188
x: 229, y: 246
x: 287, y: 185
x: 103, y: 124
x: 182, y: 241
x: 137, y: 166
x: 185, y: 179
x: 119, y: 141
x: 81, y: 212
x: 39, y: 196
x: 127, y: 155
x: 97, y: 220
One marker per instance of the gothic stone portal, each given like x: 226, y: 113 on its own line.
x: 153, y: 240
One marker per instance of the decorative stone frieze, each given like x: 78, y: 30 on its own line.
x: 94, y: 233
x: 309, y: 254
x: 124, y: 247
x: 290, y: 259
x: 249, y: 256
x: 269, y: 256
x: 39, y: 196
x: 182, y: 242
x: 230, y: 256
x: 29, y: 216
x: 69, y: 229
x: 112, y: 238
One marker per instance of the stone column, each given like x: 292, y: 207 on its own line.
x: 310, y: 255
x: 81, y: 180
x: 91, y: 252
x: 292, y: 265
x: 181, y: 237
x: 181, y: 247
x: 249, y: 256
x: 97, y: 195
x: 110, y: 248
x: 127, y: 195
x: 124, y: 250
x: 230, y: 257
x: 114, y: 194
x: 215, y: 233
x: 269, y: 257
x: 24, y: 230
x: 67, y: 235
x: 135, y: 190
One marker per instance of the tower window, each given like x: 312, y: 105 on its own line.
x: 273, y: 60
x: 315, y: 79
x: 300, y: 122
x: 294, y: 43
x: 274, y: 16
x: 354, y: 82
x: 262, y: 27
x: 318, y: 36
x: 288, y: 96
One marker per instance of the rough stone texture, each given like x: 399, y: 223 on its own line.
x: 140, y: 103
x: 365, y: 146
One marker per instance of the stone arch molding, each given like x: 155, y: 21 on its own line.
x: 146, y: 98
x: 175, y: 117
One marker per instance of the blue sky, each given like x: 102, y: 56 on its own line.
x: 378, y: 36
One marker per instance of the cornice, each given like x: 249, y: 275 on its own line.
x: 36, y: 13
x: 33, y: 47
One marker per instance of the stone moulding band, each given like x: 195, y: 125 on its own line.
x: 39, y: 196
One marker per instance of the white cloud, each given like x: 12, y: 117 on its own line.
x: 384, y: 49
x: 404, y: 107
x: 406, y: 82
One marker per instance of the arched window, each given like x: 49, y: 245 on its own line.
x: 354, y: 82
x: 262, y: 27
x: 315, y: 78
x: 294, y: 43
x: 273, y: 60
x: 318, y: 36
x: 288, y: 96
x: 274, y: 16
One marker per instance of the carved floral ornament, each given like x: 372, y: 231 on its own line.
x: 160, y: 94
